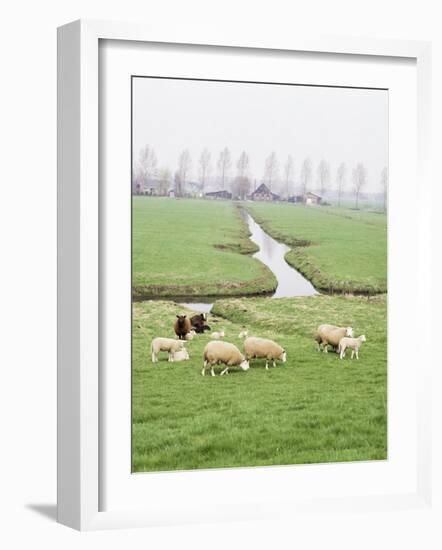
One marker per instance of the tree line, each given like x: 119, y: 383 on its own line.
x: 236, y: 175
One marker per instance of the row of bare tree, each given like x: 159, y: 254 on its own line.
x: 146, y: 171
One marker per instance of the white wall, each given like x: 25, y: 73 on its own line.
x: 28, y: 247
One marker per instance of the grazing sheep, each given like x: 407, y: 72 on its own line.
x: 181, y: 355
x: 198, y: 318
x: 243, y: 334
x: 263, y: 348
x: 198, y: 323
x: 217, y: 352
x: 353, y: 343
x: 330, y: 335
x: 164, y: 344
x: 217, y: 335
x: 190, y: 335
x: 182, y: 326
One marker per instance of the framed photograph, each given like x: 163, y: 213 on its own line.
x: 235, y: 252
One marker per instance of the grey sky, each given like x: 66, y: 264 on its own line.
x: 334, y: 124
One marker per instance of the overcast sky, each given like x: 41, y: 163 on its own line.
x: 335, y: 124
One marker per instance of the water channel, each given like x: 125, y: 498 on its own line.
x: 271, y: 253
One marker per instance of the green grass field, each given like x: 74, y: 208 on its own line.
x: 346, y: 249
x: 191, y: 248
x: 313, y: 408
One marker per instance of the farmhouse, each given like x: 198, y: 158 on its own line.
x: 263, y: 193
x: 308, y: 198
x: 219, y: 195
x: 311, y: 198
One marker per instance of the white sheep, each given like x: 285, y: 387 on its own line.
x: 331, y: 335
x: 190, y: 335
x: 217, y: 335
x: 243, y: 334
x: 217, y: 352
x: 164, y: 344
x: 181, y: 355
x: 353, y: 343
x: 264, y: 348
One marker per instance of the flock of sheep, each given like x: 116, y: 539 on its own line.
x: 219, y: 352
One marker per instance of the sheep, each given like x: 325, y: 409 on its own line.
x: 198, y: 318
x: 181, y: 355
x: 331, y: 335
x: 182, y: 326
x: 263, y: 348
x: 201, y: 328
x: 198, y: 323
x: 164, y: 344
x: 190, y: 335
x: 353, y: 343
x: 218, y: 335
x: 243, y: 334
x: 223, y: 352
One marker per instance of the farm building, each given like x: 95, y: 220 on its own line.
x: 311, y: 198
x: 219, y: 195
x: 263, y: 193
x: 308, y: 198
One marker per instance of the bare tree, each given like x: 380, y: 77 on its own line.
x: 165, y: 178
x: 323, y: 176
x: 241, y: 183
x: 306, y: 175
x: 242, y: 166
x: 359, y: 180
x: 184, y: 165
x: 147, y: 164
x: 288, y: 173
x: 241, y: 187
x: 224, y: 164
x: 341, y: 177
x: 204, y: 169
x: 384, y: 186
x: 177, y: 183
x: 271, y: 170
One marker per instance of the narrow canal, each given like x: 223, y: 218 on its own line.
x: 271, y: 253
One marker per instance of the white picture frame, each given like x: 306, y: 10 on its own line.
x: 79, y: 272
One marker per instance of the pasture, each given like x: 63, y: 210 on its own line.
x: 337, y: 249
x: 314, y: 408
x: 193, y: 248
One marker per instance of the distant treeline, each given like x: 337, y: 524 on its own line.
x: 235, y: 175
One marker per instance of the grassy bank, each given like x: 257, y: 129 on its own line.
x: 193, y: 247
x: 338, y: 250
x: 314, y: 408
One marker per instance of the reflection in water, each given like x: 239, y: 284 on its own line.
x: 271, y: 253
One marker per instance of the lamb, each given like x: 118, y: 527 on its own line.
x: 218, y: 335
x: 198, y: 323
x: 353, y: 343
x: 243, y: 334
x: 164, y: 344
x: 181, y: 355
x: 330, y: 335
x: 263, y: 348
x: 190, y: 335
x: 182, y: 326
x: 217, y: 352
